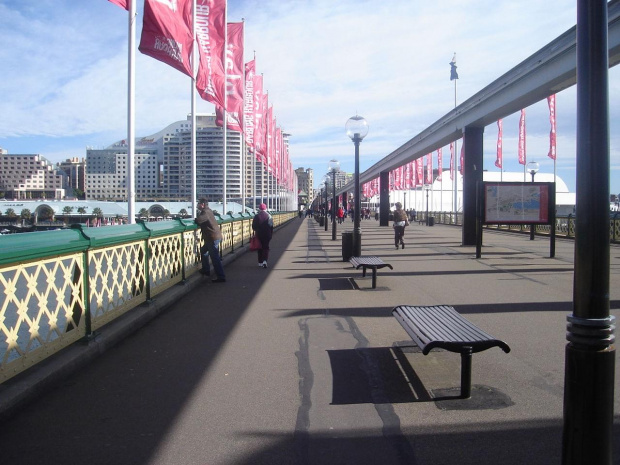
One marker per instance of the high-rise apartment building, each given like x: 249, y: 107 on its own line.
x: 30, y: 176
x: 75, y: 169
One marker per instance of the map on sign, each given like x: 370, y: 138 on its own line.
x: 516, y: 203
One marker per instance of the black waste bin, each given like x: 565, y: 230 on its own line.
x: 431, y: 221
x: 321, y: 221
x: 347, y: 245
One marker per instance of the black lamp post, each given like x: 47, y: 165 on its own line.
x: 427, y: 188
x: 326, y: 181
x: 532, y: 168
x: 357, y: 128
x: 334, y: 165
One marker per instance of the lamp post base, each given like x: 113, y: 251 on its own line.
x: 357, y: 243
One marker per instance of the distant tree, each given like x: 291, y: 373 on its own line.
x: 143, y: 213
x: 79, y: 194
x: 183, y: 212
x: 166, y: 213
x: 10, y: 213
x: 97, y: 212
x: 67, y: 210
x: 25, y: 214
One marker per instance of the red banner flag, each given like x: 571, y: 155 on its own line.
x: 248, y: 106
x: 500, y: 136
x: 234, y: 77
x: 552, y: 136
x: 167, y: 33
x: 521, y: 151
x: 419, y: 170
x: 452, y: 160
x: 210, y: 36
x: 429, y: 168
x: 259, y: 123
x: 121, y: 3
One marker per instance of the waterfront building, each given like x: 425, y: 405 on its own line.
x: 30, y: 176
x: 75, y: 169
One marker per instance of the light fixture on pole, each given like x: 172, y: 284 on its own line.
x: 532, y: 168
x: 427, y: 188
x: 357, y: 128
x: 334, y: 165
x: 327, y: 180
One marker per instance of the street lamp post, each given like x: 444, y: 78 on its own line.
x: 334, y: 165
x: 357, y: 128
x: 326, y: 180
x: 532, y: 168
x: 427, y: 188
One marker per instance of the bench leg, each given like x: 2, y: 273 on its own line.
x: 466, y: 357
x: 363, y: 272
x: 374, y: 278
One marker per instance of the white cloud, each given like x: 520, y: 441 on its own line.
x: 64, y: 71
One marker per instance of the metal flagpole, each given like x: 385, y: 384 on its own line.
x: 194, y: 194
x: 225, y: 116
x: 131, y: 115
x: 455, y: 77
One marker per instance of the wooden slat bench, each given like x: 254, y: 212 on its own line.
x: 443, y: 327
x: 369, y: 262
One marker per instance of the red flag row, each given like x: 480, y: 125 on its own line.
x: 222, y: 78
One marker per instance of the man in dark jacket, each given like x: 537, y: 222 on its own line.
x: 211, y: 236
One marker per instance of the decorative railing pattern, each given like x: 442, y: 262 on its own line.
x: 57, y: 287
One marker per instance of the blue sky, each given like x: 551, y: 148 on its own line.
x: 64, y: 75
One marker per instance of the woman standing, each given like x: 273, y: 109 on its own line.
x: 262, y: 224
x: 400, y: 221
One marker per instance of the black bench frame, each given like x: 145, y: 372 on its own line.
x: 369, y: 262
x: 443, y: 327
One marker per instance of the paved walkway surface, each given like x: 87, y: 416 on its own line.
x: 302, y: 363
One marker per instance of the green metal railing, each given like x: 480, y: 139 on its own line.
x: 57, y: 287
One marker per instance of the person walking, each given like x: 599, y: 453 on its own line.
x: 262, y: 224
x: 400, y: 221
x: 211, y: 237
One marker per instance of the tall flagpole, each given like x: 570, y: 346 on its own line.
x: 194, y: 194
x: 455, y: 77
x: 225, y: 116
x: 243, y: 180
x: 131, y: 115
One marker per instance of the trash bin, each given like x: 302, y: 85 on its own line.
x: 347, y: 245
x: 321, y: 221
x: 431, y: 221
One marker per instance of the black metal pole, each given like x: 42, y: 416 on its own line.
x: 334, y: 206
x: 357, y: 230
x: 532, y: 226
x: 325, y: 209
x: 590, y: 355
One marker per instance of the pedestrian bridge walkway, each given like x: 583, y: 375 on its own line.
x: 303, y: 363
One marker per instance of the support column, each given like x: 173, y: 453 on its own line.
x: 472, y: 173
x: 590, y: 354
x: 384, y: 199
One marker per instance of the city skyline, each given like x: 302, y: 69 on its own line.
x: 322, y: 63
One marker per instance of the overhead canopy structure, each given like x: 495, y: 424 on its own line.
x: 550, y: 70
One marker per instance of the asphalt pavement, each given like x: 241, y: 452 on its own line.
x: 303, y: 363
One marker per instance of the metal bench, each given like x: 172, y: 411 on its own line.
x: 369, y: 262
x: 443, y: 327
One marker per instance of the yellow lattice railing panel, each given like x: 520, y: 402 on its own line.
x: 41, y: 310
x: 117, y: 281
x: 192, y: 250
x: 165, y: 263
